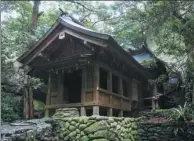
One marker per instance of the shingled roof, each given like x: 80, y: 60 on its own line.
x: 75, y: 29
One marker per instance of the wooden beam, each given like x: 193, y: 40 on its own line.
x: 44, y: 47
x: 64, y: 105
x: 84, y: 37
x: 48, y: 95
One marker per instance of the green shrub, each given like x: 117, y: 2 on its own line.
x: 11, y: 107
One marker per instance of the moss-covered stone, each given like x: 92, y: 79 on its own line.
x: 100, y: 125
x: 102, y: 134
x: 84, y: 138
x: 100, y: 140
x: 72, y: 128
x: 72, y: 134
x: 66, y: 138
x: 82, y: 126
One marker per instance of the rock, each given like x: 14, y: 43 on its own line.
x: 36, y: 128
x: 101, y: 134
x: 84, y: 138
x: 73, y: 123
x: 72, y: 128
x: 100, y: 140
x: 31, y: 134
x: 100, y: 125
x: 78, y: 136
x: 66, y: 138
x: 82, y: 133
x: 47, y: 138
x: 82, y: 126
x: 118, y: 127
x: 66, y: 112
x: 20, y: 137
x: 72, y: 134
x: 77, y: 131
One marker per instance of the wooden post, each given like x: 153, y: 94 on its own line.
x: 154, y: 97
x: 110, y: 86
x: 110, y: 81
x: 48, y: 95
x: 110, y: 112
x: 96, y: 82
x: 96, y: 110
x: 153, y: 104
x: 83, y: 111
x: 60, y: 87
x: 83, y: 85
x: 121, y: 113
x: 121, y: 91
x: 31, y: 106
x: 26, y: 105
x: 157, y: 106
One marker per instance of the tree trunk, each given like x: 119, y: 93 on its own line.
x: 35, y: 15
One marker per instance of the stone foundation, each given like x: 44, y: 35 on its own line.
x: 98, y: 128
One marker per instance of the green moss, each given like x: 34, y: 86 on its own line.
x: 72, y: 128
x: 82, y: 126
x: 38, y: 105
x: 72, y: 134
x: 84, y: 138
x: 102, y: 134
x: 100, y: 125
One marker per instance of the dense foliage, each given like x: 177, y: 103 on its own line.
x: 11, y: 108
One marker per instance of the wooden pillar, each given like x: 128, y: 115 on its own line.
x: 154, y: 97
x: 83, y: 111
x: 109, y: 81
x: 26, y: 103
x: 83, y: 85
x: 60, y: 87
x: 121, y: 113
x: 110, y: 112
x: 96, y: 110
x: 96, y: 82
x: 110, y: 88
x: 120, y: 86
x: 65, y: 91
x: 121, y: 91
x: 157, y: 106
x: 31, y: 106
x: 153, y: 104
x: 48, y: 94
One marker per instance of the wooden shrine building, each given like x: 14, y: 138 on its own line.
x: 86, y: 70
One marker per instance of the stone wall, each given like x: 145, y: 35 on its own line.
x: 98, y: 128
x: 154, y: 132
x: 148, y: 131
x: 30, y: 130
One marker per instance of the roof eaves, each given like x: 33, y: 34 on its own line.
x: 79, y: 28
x: 25, y: 54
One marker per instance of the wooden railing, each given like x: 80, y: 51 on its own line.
x: 113, y: 100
